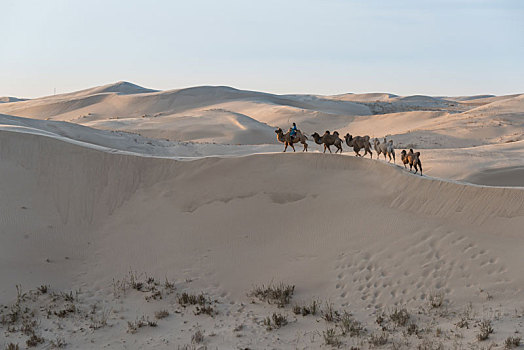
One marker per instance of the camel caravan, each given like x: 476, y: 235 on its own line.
x: 358, y: 143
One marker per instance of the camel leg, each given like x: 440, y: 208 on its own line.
x: 292, y: 146
x: 325, y: 148
x: 329, y: 149
x: 285, y: 148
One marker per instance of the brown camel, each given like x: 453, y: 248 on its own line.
x: 359, y: 142
x: 329, y: 140
x: 413, y: 159
x: 287, y: 140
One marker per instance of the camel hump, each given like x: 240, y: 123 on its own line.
x: 418, y: 154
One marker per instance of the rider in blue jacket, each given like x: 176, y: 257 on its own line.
x: 293, y: 130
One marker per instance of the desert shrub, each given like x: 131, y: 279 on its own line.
x: 155, y: 295
x: 132, y: 327
x: 331, y: 337
x: 206, y: 309
x: 305, y: 310
x: 68, y: 296
x: 279, y: 294
x: 399, y: 316
x: 99, y: 320
x: 463, y: 323
x: 161, y: 314
x: 197, y: 337
x: 436, y: 299
x: 485, y: 330
x: 43, y: 288
x: 191, y: 299
x: 512, y: 342
x: 12, y: 346
x: 412, y: 329
x: 28, y: 326
x: 58, y: 343
x: 34, y: 340
x: 276, y: 321
x: 381, y: 317
x: 378, y: 339
x: 350, y: 326
x: 329, y: 314
x: 430, y: 345
x: 169, y: 286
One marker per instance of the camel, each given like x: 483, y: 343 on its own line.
x: 329, y: 140
x: 413, y: 158
x: 386, y: 148
x: 359, y: 142
x: 287, y: 140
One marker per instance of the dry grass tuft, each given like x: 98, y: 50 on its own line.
x: 485, y: 330
x: 512, y: 342
x: 279, y: 294
x: 331, y: 337
x: 276, y: 321
x: 378, y: 339
x: 161, y: 314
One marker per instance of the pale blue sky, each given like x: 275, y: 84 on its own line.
x: 439, y: 47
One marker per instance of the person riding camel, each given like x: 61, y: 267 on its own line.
x: 293, y: 130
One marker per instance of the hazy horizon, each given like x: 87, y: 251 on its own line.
x: 438, y: 48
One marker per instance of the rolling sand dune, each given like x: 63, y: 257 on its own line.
x: 362, y: 234
x: 127, y: 198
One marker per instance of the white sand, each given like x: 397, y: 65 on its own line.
x: 81, y: 208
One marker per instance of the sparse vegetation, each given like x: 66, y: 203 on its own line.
x: 43, y: 288
x: 412, y: 329
x: 12, y: 346
x: 436, y: 299
x: 58, y: 343
x: 512, y: 342
x: 133, y: 327
x: 428, y: 344
x: 350, y: 326
x: 161, y: 314
x: 197, y: 337
x: 276, y: 321
x: 329, y: 314
x: 34, y: 340
x: 305, y: 310
x: 399, y: 316
x: 485, y: 329
x: 279, y: 294
x: 331, y: 337
x: 378, y: 339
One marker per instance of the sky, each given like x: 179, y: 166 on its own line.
x: 433, y: 47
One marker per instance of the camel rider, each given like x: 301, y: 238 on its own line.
x: 293, y: 130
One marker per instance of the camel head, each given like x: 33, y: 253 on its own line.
x: 315, y: 135
x: 348, y: 137
x: 403, y: 153
x: 278, y: 131
x: 376, y: 141
x: 411, y: 150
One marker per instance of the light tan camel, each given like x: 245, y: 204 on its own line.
x: 329, y: 140
x: 386, y: 148
x: 359, y: 142
x: 287, y: 140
